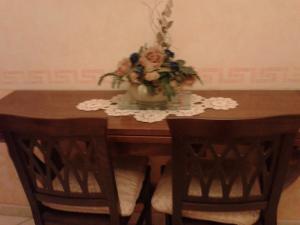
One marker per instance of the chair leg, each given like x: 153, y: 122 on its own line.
x: 148, y: 216
x: 270, y: 219
x: 168, y: 219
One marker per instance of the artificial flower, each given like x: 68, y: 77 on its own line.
x: 174, y: 66
x: 155, y: 70
x: 139, y: 69
x: 189, y: 81
x: 134, y: 58
x: 133, y: 76
x: 124, y: 67
x: 169, y: 53
x: 152, y: 76
x: 152, y: 58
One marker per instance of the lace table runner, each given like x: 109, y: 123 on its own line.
x: 198, y: 105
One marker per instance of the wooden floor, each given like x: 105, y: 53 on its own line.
x: 15, y: 220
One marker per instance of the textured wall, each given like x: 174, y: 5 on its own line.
x: 64, y: 44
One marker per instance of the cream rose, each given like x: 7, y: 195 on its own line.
x: 133, y: 77
x: 124, y: 67
x: 152, y: 76
x: 152, y: 58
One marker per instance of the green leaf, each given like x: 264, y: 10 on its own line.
x: 188, y: 70
x: 199, y: 79
x: 170, y: 24
x: 160, y: 22
x: 119, y: 82
x: 180, y: 62
x: 164, y: 75
x: 151, y: 89
x: 114, y: 83
x: 166, y: 45
x: 164, y: 69
x: 149, y: 86
x: 168, y: 11
x: 160, y: 38
x: 141, y: 50
x: 170, y: 3
x: 106, y: 75
x: 167, y: 89
x: 179, y: 76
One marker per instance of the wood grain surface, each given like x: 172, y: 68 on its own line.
x: 61, y: 104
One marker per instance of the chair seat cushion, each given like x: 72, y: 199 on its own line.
x: 162, y: 201
x: 129, y: 175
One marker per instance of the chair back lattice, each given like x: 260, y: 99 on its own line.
x: 230, y: 165
x: 62, y: 161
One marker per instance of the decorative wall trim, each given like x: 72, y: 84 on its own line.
x: 236, y: 77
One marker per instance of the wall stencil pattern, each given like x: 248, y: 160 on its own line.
x: 213, y: 77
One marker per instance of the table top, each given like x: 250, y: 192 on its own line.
x: 62, y: 104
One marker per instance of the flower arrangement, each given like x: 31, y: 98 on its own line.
x: 155, y: 69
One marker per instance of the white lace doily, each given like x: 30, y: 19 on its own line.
x: 198, y: 105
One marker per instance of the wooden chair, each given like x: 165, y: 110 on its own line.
x: 225, y: 171
x: 68, y: 173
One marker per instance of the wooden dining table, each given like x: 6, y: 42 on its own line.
x: 62, y: 104
x: 128, y: 136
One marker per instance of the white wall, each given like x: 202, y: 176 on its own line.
x: 64, y: 44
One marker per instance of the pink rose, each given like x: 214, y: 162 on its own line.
x: 152, y: 76
x: 152, y: 58
x: 124, y: 67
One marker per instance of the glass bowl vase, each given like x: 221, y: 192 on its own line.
x: 146, y: 100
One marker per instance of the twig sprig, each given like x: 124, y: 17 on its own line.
x: 165, y: 24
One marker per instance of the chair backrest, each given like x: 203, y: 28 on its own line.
x: 44, y: 150
x: 236, y: 164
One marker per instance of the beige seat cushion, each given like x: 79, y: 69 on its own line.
x: 129, y: 173
x: 162, y: 201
